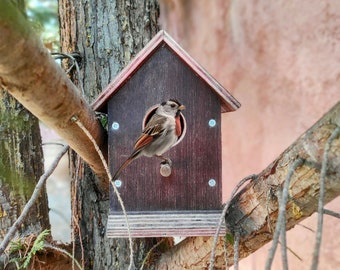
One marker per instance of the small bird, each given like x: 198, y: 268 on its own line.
x: 159, y: 135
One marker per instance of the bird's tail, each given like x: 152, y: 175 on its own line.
x: 121, y: 168
x: 133, y: 156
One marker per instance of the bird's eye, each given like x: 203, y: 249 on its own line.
x: 173, y: 105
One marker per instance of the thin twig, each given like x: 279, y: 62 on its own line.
x: 306, y: 227
x: 236, y: 250
x: 60, y: 55
x: 148, y: 255
x: 294, y: 253
x: 282, y: 212
x: 222, y: 218
x: 16, y: 225
x: 284, y: 246
x: 316, y: 252
x: 65, y: 252
x: 75, y: 222
x: 78, y: 122
x: 53, y: 143
x: 283, y: 242
x: 331, y: 213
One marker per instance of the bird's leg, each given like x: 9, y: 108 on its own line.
x: 165, y: 160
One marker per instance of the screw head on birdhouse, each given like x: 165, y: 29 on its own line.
x: 185, y: 198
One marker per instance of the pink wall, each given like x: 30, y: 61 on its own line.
x: 281, y: 60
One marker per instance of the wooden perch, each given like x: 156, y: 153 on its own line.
x: 30, y: 74
x: 254, y: 210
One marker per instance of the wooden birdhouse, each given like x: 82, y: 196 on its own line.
x: 189, y: 201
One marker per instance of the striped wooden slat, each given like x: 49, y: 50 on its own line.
x: 165, y: 223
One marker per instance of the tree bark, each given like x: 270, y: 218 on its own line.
x: 253, y: 211
x: 107, y: 34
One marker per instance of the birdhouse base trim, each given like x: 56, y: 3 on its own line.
x: 165, y: 224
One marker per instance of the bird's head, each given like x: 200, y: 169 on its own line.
x: 171, y: 107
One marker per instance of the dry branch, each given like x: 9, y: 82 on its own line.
x: 254, y: 210
x: 29, y: 73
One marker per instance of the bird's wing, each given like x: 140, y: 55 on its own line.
x: 153, y: 129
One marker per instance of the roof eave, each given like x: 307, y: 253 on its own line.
x: 228, y: 102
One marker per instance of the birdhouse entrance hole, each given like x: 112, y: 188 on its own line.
x: 152, y: 110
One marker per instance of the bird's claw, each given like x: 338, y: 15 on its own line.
x: 167, y: 161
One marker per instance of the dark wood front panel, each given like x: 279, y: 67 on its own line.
x: 196, y: 160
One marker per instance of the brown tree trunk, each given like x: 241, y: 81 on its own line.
x: 107, y: 34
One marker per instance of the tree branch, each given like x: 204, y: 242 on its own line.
x: 253, y: 212
x: 29, y: 73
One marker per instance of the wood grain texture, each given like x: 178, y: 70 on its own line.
x: 165, y: 224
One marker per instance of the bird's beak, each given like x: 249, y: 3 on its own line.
x: 181, y: 108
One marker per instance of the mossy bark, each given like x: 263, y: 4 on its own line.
x: 21, y: 165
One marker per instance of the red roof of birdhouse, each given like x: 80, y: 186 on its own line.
x: 228, y: 102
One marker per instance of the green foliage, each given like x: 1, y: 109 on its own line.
x: 44, y: 19
x: 102, y: 117
x: 25, y: 253
x: 16, y: 246
x: 229, y: 238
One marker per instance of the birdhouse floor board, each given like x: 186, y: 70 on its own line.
x: 164, y: 223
